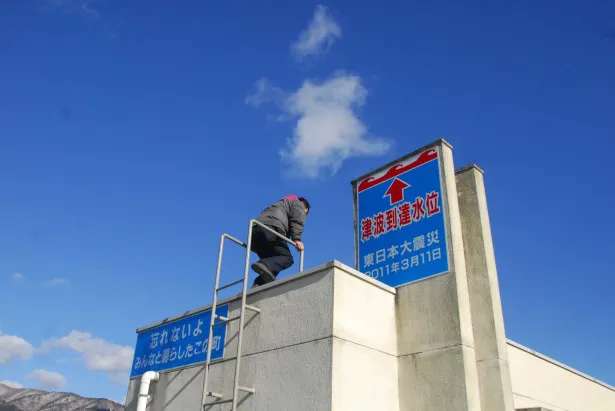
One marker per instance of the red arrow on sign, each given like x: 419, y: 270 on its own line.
x: 396, y: 191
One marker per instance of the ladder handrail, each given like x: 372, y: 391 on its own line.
x: 213, y: 317
x: 233, y: 239
x: 244, y: 290
x: 288, y: 240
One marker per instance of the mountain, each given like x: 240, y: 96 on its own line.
x: 23, y: 399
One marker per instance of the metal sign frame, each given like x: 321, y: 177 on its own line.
x: 436, y: 145
x: 149, y: 350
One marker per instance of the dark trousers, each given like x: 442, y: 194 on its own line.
x: 272, y: 251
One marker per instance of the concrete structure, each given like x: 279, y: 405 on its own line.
x: 487, y: 317
x: 320, y: 341
x: 330, y: 341
x: 332, y: 338
x: 435, y: 338
x: 539, y: 381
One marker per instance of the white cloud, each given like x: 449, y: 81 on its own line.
x: 327, y: 130
x: 265, y: 92
x: 97, y: 354
x: 48, y: 380
x: 18, y: 277
x: 11, y: 384
x: 56, y: 282
x: 12, y: 347
x: 320, y: 34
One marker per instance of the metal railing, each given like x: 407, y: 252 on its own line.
x: 241, y: 317
x: 288, y: 240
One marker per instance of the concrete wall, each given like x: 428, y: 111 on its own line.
x: 484, y: 290
x: 316, y: 345
x: 332, y: 338
x: 365, y: 374
x: 533, y: 409
x: 538, y: 381
x: 437, y: 365
x: 329, y: 339
x: 275, y: 375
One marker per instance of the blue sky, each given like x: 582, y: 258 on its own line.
x: 132, y: 134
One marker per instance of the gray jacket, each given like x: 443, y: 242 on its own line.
x: 286, y: 216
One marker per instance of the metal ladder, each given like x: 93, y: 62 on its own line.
x: 240, y: 317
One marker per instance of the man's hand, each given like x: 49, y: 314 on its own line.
x: 299, y: 246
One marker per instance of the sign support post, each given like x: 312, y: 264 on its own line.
x: 487, y: 317
x: 437, y: 365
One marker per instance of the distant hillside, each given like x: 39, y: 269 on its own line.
x: 22, y: 399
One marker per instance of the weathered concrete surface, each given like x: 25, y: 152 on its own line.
x: 364, y: 314
x: 363, y: 378
x: 484, y: 292
x: 436, y: 380
x: 437, y: 366
x: 427, y: 315
x: 325, y: 339
x: 281, y: 385
x: 338, y: 348
x: 495, y: 384
x: 291, y: 313
x: 364, y: 374
x: 457, y: 253
x: 539, y: 381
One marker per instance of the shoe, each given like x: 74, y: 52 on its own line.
x: 263, y: 271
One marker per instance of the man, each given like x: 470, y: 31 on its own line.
x: 287, y: 217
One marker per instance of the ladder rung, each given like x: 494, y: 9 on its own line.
x: 229, y: 285
x: 253, y: 308
x: 217, y: 360
x: 225, y: 319
x: 220, y: 397
x: 217, y: 402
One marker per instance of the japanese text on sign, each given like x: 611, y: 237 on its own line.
x: 179, y: 343
x: 400, y: 216
x: 401, y: 234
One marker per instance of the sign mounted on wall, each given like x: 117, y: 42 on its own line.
x: 179, y: 343
x: 400, y: 229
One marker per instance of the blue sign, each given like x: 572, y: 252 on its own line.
x: 400, y: 223
x: 179, y: 343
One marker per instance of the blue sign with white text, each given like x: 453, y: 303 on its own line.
x: 179, y: 343
x: 400, y: 221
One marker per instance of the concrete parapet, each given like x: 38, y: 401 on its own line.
x: 341, y: 346
x: 540, y: 381
x: 316, y: 345
x: 332, y: 338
